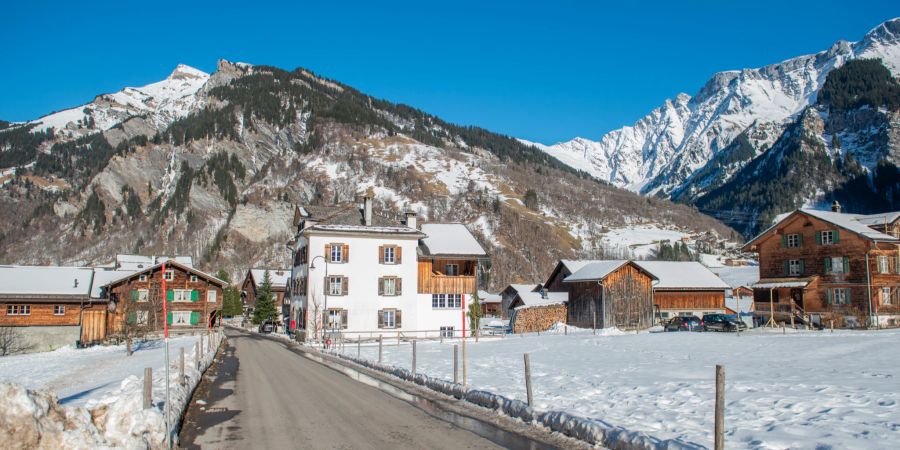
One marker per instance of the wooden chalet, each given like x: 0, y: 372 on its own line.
x: 614, y: 293
x: 194, y: 299
x: 449, y: 258
x: 827, y: 265
x: 254, y: 278
x: 491, y: 304
x: 685, y: 288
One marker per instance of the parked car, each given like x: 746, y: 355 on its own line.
x: 685, y: 323
x: 722, y: 322
x: 266, y: 327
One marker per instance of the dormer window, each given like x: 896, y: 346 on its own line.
x: 169, y: 275
x: 793, y: 240
x: 827, y: 237
x: 142, y: 277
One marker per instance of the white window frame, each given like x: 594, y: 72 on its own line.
x: 18, y: 310
x: 212, y: 296
x: 142, y: 317
x: 142, y: 277
x: 389, y: 281
x: 794, y: 267
x: 389, y: 313
x: 143, y: 295
x: 455, y: 270
x: 448, y: 331
x: 169, y: 275
x: 337, y: 254
x: 793, y: 240
x: 837, y: 264
x: 194, y: 278
x: 830, y: 237
x: 439, y: 301
x: 335, y: 282
x: 334, y: 320
x: 59, y: 310
x: 390, y: 253
x: 839, y: 296
x: 181, y: 318
x: 886, y: 295
x: 181, y: 295
x: 883, y: 265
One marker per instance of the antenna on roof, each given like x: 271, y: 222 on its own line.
x: 76, y: 283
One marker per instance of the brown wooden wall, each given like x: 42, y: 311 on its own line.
x: 624, y: 300
x: 584, y: 304
x: 432, y: 283
x: 689, y: 299
x: 42, y: 314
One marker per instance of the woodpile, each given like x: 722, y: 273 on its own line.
x: 538, y: 318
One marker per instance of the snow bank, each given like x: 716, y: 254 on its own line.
x: 36, y: 419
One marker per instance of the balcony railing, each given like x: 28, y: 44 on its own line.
x: 447, y: 284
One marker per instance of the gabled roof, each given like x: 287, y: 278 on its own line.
x: 279, y: 277
x: 599, y: 270
x: 531, y: 299
x: 878, y: 219
x: 683, y: 275
x: 449, y: 239
x: 571, y: 265
x: 168, y: 264
x: 523, y: 287
x: 849, y: 222
x: 45, y: 280
x: 102, y: 277
x: 487, y: 297
x: 140, y: 262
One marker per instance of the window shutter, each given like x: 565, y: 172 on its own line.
x: 783, y: 240
x: 847, y: 292
x: 398, y: 286
x: 397, y: 323
x: 827, y: 296
x: 170, y: 295
x: 828, y: 268
x: 818, y: 238
x: 398, y: 254
x: 345, y: 253
x: 327, y: 289
x: 802, y: 267
x: 195, y: 295
x: 345, y: 285
x: 169, y: 317
x: 134, y: 295
x: 380, y: 254
x: 343, y: 319
x: 381, y: 286
x: 195, y: 317
x: 846, y: 265
x: 328, y: 252
x: 837, y: 236
x: 380, y: 318
x: 787, y: 267
x: 132, y: 318
x: 800, y: 239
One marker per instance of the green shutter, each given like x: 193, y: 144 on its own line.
x: 787, y: 267
x: 846, y: 264
x: 132, y: 317
x: 195, y: 295
x: 169, y: 318
x: 802, y: 267
x: 828, y: 268
x: 134, y: 295
x: 827, y: 296
x: 783, y: 240
x: 170, y: 295
x: 847, y: 292
x: 800, y: 239
x: 837, y: 236
x: 195, y: 317
x: 818, y: 238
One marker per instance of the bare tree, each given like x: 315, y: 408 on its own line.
x: 315, y: 307
x: 12, y: 341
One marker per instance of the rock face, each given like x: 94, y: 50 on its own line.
x: 693, y: 145
x: 221, y: 179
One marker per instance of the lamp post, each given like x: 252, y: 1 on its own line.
x: 289, y: 289
x: 312, y: 266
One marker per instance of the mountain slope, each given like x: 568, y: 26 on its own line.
x: 221, y: 179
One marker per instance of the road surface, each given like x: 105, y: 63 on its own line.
x: 267, y: 396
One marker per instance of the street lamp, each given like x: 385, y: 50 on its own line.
x: 312, y: 266
x: 290, y: 287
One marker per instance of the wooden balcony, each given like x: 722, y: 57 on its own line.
x: 445, y: 284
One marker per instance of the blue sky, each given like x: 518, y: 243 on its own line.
x: 546, y: 71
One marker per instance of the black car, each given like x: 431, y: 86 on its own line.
x: 685, y: 323
x: 722, y: 322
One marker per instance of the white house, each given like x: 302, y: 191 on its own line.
x: 371, y: 275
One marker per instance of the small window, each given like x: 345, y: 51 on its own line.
x: 390, y: 286
x: 447, y: 332
x: 389, y: 318
x: 793, y: 240
x: 451, y: 270
x: 837, y: 264
x: 335, y: 285
x: 795, y: 267
x: 336, y: 253
x: 883, y: 264
x: 337, y: 319
x: 389, y: 255
x: 169, y: 275
x: 182, y: 295
x: 181, y: 318
x: 142, y: 317
x: 438, y: 301
x: 143, y: 295
x: 18, y: 310
x: 828, y: 237
x: 664, y: 315
x: 59, y: 310
x: 211, y: 296
x: 454, y: 301
x: 839, y: 296
x: 193, y: 278
x: 142, y: 277
x: 885, y: 296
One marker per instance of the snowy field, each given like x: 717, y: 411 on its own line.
x: 801, y: 390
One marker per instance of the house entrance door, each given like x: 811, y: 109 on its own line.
x: 797, y: 297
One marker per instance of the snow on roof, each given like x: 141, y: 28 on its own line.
x: 596, y: 270
x: 364, y: 229
x: 738, y: 276
x: 532, y: 299
x: 879, y: 219
x: 487, y: 297
x: 781, y: 283
x: 102, y: 277
x: 46, y: 280
x: 574, y: 265
x: 140, y: 262
x: 450, y: 239
x: 279, y: 277
x: 849, y: 222
x: 524, y: 287
x: 738, y: 304
x: 174, y: 263
x: 682, y: 275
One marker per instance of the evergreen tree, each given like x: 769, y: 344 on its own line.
x: 231, y: 302
x: 531, y: 200
x: 264, y: 308
x: 474, y: 313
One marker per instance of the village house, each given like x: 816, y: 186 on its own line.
x: 491, y: 304
x: 614, y: 293
x: 508, y: 296
x: 362, y: 274
x: 685, y: 288
x: 254, y: 279
x: 193, y: 299
x: 827, y: 265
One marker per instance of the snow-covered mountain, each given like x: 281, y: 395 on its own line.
x: 662, y: 152
x: 161, y: 103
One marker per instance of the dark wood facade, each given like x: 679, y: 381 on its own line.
x: 622, y: 299
x: 686, y: 299
x: 250, y: 287
x: 434, y: 280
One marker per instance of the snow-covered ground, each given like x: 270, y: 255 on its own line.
x: 641, y: 240
x: 800, y: 390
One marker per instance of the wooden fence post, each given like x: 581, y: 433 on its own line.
x: 720, y: 408
x: 455, y: 364
x: 595, y: 318
x: 128, y: 346
x: 414, y: 357
x: 832, y: 325
x: 565, y: 330
x: 148, y: 387
x: 379, y: 348
x: 783, y: 331
x: 528, y: 381
x: 181, y: 368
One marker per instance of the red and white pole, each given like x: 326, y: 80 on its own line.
x: 165, y: 300
x: 463, y: 315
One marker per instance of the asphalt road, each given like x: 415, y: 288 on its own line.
x: 266, y: 396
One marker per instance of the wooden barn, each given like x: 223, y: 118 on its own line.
x: 254, y: 279
x: 685, y: 288
x: 614, y: 293
x: 535, y: 309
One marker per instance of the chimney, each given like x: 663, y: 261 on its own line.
x: 835, y: 206
x: 367, y: 207
x: 411, y: 219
